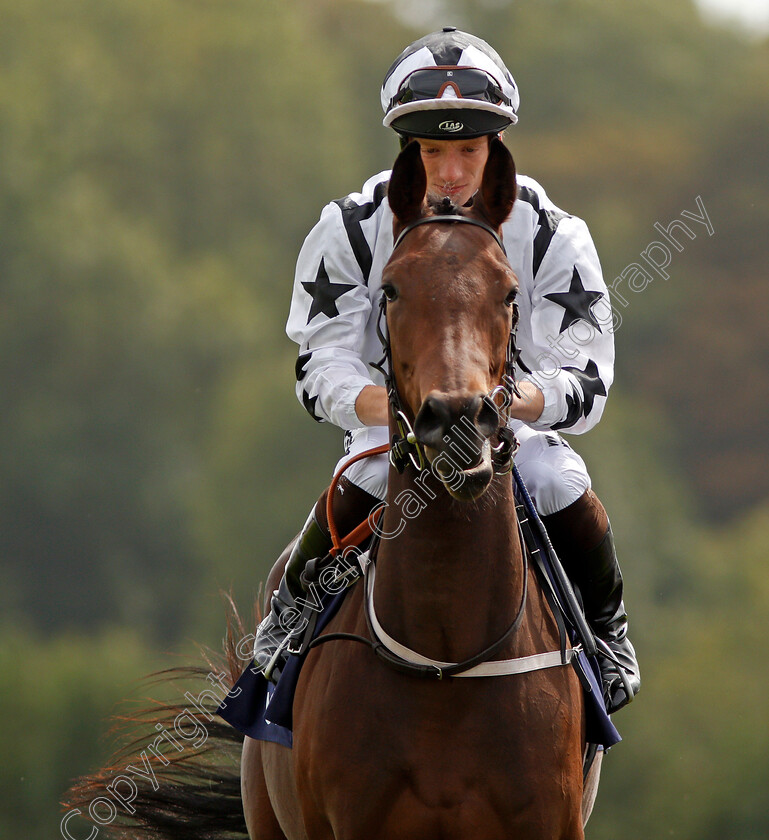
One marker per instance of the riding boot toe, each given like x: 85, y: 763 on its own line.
x: 619, y: 686
x: 271, y: 635
x: 270, y: 652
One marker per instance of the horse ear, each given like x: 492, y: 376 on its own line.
x: 498, y: 187
x: 408, y: 185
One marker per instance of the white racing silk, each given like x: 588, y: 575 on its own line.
x: 565, y: 332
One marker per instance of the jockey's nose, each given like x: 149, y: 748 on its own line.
x: 450, y: 168
x: 465, y: 419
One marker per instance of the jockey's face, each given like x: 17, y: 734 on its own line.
x: 454, y: 168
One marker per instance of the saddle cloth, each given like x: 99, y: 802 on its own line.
x: 263, y: 710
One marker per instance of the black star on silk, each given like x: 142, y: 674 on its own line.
x: 324, y: 293
x: 592, y: 387
x: 577, y: 302
x: 301, y: 365
x: 591, y: 383
x: 309, y: 403
x: 573, y: 412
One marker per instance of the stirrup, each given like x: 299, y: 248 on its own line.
x: 605, y: 652
x: 274, y: 659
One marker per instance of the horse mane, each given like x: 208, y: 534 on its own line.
x: 443, y: 207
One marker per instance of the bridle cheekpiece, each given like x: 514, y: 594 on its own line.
x: 404, y: 447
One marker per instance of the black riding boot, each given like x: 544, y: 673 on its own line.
x: 596, y: 573
x: 352, y: 505
x: 272, y: 633
x: 601, y: 590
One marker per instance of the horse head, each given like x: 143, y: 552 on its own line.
x: 449, y: 293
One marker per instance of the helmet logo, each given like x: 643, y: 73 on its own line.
x: 451, y: 125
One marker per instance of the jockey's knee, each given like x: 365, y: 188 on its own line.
x: 370, y: 476
x: 363, y: 486
x: 351, y: 506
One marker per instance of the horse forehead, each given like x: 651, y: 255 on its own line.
x: 450, y: 264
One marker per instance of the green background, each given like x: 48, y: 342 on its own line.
x: 160, y: 164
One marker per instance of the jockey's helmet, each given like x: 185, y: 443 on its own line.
x: 449, y: 85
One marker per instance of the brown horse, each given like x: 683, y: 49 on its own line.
x: 379, y: 753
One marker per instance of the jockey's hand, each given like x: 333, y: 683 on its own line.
x: 529, y: 406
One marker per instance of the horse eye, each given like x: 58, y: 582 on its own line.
x: 389, y: 292
x: 510, y: 299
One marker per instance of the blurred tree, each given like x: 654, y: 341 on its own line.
x: 628, y: 114
x: 55, y: 698
x: 161, y: 162
x: 159, y: 168
x: 694, y: 760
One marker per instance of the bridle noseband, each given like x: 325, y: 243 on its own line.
x: 405, y: 447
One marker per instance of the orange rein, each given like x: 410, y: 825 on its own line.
x: 365, y: 528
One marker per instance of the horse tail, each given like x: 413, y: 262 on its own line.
x: 176, y: 771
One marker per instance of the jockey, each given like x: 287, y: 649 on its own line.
x: 451, y: 92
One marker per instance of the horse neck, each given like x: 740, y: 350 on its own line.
x: 449, y: 576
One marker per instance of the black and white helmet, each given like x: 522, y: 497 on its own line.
x: 449, y: 84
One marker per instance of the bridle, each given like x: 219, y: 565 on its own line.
x: 404, y: 447
x: 449, y: 217
x: 404, y: 450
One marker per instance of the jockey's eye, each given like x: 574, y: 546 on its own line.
x: 510, y: 299
x: 389, y: 291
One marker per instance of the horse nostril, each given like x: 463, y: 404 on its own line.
x: 487, y: 420
x: 433, y: 422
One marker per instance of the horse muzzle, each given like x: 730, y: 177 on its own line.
x: 454, y: 431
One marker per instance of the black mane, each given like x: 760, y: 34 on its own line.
x: 444, y: 207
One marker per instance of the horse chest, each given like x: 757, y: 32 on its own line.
x: 435, y: 759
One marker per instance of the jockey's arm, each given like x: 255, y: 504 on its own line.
x: 371, y: 406
x: 529, y: 406
x: 372, y: 409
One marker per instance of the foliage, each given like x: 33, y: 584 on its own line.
x: 160, y: 164
x: 694, y: 760
x: 155, y: 187
x: 55, y: 698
